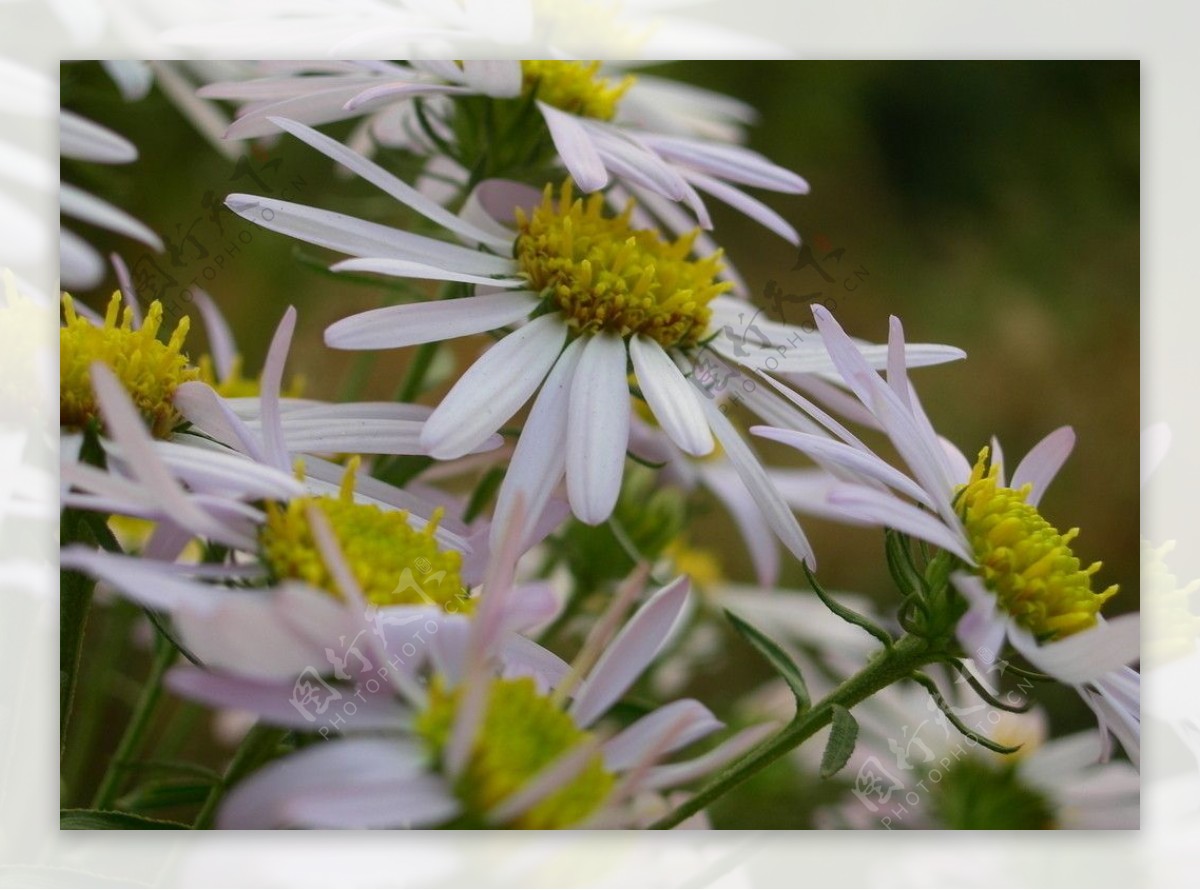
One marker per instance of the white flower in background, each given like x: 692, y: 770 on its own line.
x: 1020, y: 578
x: 591, y: 295
x: 947, y: 782
x: 605, y: 127
x: 501, y: 734
x: 204, y: 480
x: 662, y: 142
x: 555, y: 28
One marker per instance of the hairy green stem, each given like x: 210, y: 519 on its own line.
x: 139, y: 721
x: 909, y: 654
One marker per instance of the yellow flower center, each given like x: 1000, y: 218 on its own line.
x: 393, y: 563
x: 700, y: 564
x: 149, y: 369
x: 576, y: 87
x: 1024, y: 560
x: 606, y: 276
x: 521, y: 734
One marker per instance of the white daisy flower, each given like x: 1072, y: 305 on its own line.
x: 205, y: 480
x: 501, y: 734
x: 1019, y: 576
x: 591, y: 295
x: 663, y: 142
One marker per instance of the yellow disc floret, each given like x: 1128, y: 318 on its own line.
x: 149, y: 369
x: 522, y: 733
x: 604, y: 275
x: 393, y: 562
x: 235, y: 385
x: 573, y: 86
x: 1024, y: 560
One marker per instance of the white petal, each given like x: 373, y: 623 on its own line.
x: 880, y: 508
x: 630, y: 652
x: 575, y: 147
x: 672, y: 399
x: 729, y: 162
x: 410, y: 269
x: 1042, y: 463
x: 597, y: 429
x: 430, y: 322
x: 751, y: 207
x: 540, y: 457
x: 213, y: 415
x: 494, y: 388
x: 725, y: 483
x: 85, y: 140
x: 80, y: 205
x: 750, y: 470
x: 361, y: 238
x: 80, y: 265
x: 274, y: 443
x: 844, y: 456
x: 1085, y: 656
x: 1156, y: 442
x: 398, y: 189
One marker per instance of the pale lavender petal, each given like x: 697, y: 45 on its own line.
x: 274, y: 445
x: 1039, y: 467
x: 337, y: 773
x: 521, y: 657
x: 686, y: 721
x: 751, y: 207
x: 213, y: 415
x: 880, y: 508
x: 750, y: 470
x: 982, y: 630
x: 575, y: 147
x: 221, y: 344
x: 730, y: 162
x: 756, y: 533
x: 494, y: 388
x: 687, y: 771
x: 846, y: 457
x: 630, y: 652
x: 597, y: 429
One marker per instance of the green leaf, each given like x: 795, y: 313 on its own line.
x: 111, y: 820
x: 159, y: 795
x: 842, y: 736
x: 848, y: 615
x: 777, y: 658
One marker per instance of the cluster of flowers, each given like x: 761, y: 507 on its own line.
x: 308, y: 562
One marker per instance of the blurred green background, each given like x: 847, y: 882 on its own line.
x: 992, y: 205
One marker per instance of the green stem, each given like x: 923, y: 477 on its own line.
x: 909, y: 654
x: 143, y: 710
x: 114, y: 634
x: 414, y: 379
x: 75, y: 600
x: 257, y: 746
